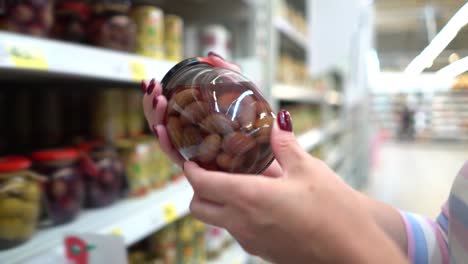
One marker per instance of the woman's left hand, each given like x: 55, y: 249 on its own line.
x: 307, y: 215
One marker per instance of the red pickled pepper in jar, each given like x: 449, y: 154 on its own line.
x: 64, y: 185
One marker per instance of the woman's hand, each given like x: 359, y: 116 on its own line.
x: 155, y: 104
x: 307, y: 215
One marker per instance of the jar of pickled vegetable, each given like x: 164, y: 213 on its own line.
x: 102, y: 174
x: 134, y: 167
x: 19, y: 201
x: 111, y: 27
x: 71, y: 18
x: 64, y: 184
x: 33, y: 17
x: 150, y: 29
x: 217, y: 117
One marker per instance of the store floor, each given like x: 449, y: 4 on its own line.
x: 416, y: 177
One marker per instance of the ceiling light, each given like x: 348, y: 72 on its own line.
x: 453, y: 57
x: 440, y: 42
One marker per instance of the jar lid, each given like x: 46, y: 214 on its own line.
x: 55, y: 154
x: 14, y: 163
x: 185, y: 63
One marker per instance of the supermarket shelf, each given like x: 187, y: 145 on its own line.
x: 131, y: 218
x: 311, y: 139
x: 234, y: 254
x: 283, y: 26
x: 24, y: 55
x: 296, y: 93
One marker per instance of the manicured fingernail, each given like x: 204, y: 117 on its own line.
x: 150, y: 88
x: 155, y: 131
x: 143, y: 86
x: 212, y: 53
x: 284, y: 121
x: 155, y: 102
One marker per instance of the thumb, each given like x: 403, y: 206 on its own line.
x: 287, y: 150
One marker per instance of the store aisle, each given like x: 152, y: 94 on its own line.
x: 416, y: 177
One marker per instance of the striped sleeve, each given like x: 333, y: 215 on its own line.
x: 427, y: 240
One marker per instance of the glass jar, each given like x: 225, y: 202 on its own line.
x: 217, y: 118
x: 150, y: 29
x: 173, y: 35
x: 71, y: 18
x: 64, y: 185
x: 107, y: 110
x: 102, y: 174
x: 133, y: 159
x: 33, y: 17
x: 19, y: 201
x: 111, y: 27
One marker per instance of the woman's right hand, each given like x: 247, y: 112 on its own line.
x: 155, y: 105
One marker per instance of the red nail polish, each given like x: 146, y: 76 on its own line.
x: 143, y: 86
x: 155, y: 131
x: 151, y: 87
x: 284, y: 121
x: 212, y: 53
x: 155, y: 102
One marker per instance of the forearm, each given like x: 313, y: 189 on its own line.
x: 388, y: 219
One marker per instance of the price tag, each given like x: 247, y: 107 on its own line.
x: 116, y: 232
x: 24, y: 56
x: 169, y: 213
x: 137, y: 69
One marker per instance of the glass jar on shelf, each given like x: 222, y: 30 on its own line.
x: 71, y: 18
x: 150, y: 29
x: 111, y: 27
x: 19, y: 201
x: 32, y: 17
x: 133, y: 162
x: 102, y: 174
x: 64, y: 185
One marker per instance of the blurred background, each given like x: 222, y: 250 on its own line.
x: 377, y: 89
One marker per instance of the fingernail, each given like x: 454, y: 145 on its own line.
x: 155, y: 131
x: 284, y: 121
x: 212, y: 53
x: 143, y: 86
x: 155, y: 102
x: 150, y: 88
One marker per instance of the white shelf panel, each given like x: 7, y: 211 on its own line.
x: 133, y: 219
x: 296, y: 93
x: 234, y: 254
x: 283, y: 25
x: 77, y: 60
x: 311, y: 139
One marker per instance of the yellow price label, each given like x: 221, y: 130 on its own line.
x: 138, y: 71
x: 27, y: 57
x: 116, y: 232
x: 169, y: 213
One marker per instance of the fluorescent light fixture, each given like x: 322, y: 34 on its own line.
x: 454, y: 69
x: 440, y: 42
